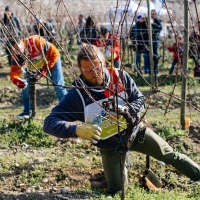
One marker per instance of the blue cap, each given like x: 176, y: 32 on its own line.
x: 7, y: 8
x: 139, y: 17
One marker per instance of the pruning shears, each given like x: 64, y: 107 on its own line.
x: 97, y: 119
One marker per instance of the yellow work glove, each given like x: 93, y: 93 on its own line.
x: 89, y: 132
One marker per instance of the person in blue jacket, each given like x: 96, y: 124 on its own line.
x: 156, y: 29
x: 81, y: 114
x: 140, y: 37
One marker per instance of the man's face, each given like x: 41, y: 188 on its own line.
x: 8, y: 12
x: 39, y: 25
x: 142, y: 19
x: 153, y: 15
x: 80, y: 17
x: 92, y: 71
x: 106, y: 36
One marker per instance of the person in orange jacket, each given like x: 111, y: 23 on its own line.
x: 111, y: 44
x: 42, y: 57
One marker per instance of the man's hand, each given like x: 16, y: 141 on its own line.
x: 21, y: 84
x: 122, y: 108
x: 119, y: 109
x: 43, y: 72
x: 89, y: 132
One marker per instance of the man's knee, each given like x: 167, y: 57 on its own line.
x: 160, y: 149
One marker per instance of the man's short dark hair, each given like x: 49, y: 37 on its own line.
x: 90, y: 52
x: 103, y: 30
x: 153, y: 10
x: 7, y: 8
